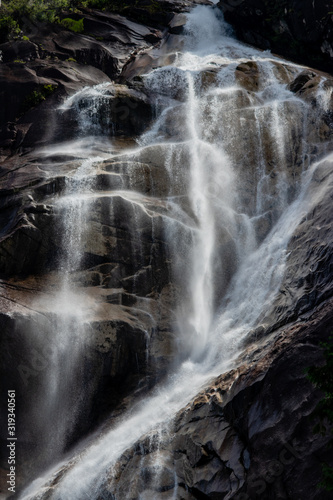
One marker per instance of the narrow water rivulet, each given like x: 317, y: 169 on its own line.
x: 232, y: 164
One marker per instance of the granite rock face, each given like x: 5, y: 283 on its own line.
x: 298, y: 29
x: 56, y: 63
x: 249, y: 434
x: 129, y: 330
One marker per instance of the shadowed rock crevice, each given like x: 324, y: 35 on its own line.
x: 299, y: 29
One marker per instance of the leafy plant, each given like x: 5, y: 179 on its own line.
x: 71, y: 24
x: 13, y: 13
x: 48, y: 89
x: 9, y: 28
x: 37, y: 96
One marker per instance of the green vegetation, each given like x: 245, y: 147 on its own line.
x: 9, y: 28
x: 41, y: 10
x: 322, y: 378
x: 13, y: 13
x: 37, y: 96
x: 71, y: 24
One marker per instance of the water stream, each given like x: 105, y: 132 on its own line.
x: 234, y: 201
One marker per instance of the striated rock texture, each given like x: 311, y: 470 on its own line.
x: 248, y: 435
x: 112, y: 248
x: 298, y: 29
x: 55, y: 62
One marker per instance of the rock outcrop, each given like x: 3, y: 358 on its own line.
x: 298, y: 29
x: 54, y: 64
x: 248, y: 436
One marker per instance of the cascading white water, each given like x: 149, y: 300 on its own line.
x: 87, y: 104
x: 58, y: 401
x: 220, y: 217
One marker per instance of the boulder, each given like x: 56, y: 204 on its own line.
x: 177, y: 23
x: 20, y: 50
x: 247, y: 75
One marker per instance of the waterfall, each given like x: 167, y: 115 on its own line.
x: 59, y: 403
x: 236, y: 194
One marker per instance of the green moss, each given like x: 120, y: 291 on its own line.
x: 73, y: 25
x: 154, y: 7
x: 14, y: 13
x: 49, y: 89
x: 32, y: 100
x: 36, y: 97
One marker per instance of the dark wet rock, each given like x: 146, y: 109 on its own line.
x: 137, y: 66
x: 87, y: 51
x: 300, y: 29
x: 176, y: 25
x: 17, y: 82
x: 248, y: 435
x: 308, y: 277
x: 302, y: 79
x: 19, y: 50
x: 66, y: 61
x: 30, y: 96
x: 117, y: 111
